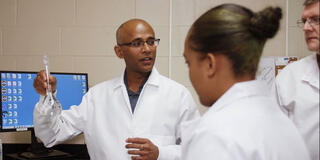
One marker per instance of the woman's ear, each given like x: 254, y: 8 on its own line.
x: 118, y: 51
x: 211, y: 61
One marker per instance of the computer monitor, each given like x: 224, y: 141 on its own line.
x: 18, y: 98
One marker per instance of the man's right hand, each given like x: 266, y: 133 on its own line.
x: 40, y: 83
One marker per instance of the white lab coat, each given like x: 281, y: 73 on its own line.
x: 106, y: 119
x: 244, y: 124
x: 297, y: 92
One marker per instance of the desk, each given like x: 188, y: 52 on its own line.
x: 17, y: 156
x: 76, y: 152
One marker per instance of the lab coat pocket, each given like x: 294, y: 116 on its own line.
x: 159, y: 140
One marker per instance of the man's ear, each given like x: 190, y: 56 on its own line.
x: 211, y: 61
x: 118, y: 51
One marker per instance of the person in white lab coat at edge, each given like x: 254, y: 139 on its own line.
x: 137, y: 116
x: 297, y: 85
x: 222, y: 50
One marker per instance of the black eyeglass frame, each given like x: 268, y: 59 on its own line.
x: 313, y: 21
x: 155, y: 41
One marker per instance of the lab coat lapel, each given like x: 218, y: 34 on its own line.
x: 119, y: 86
x: 153, y: 80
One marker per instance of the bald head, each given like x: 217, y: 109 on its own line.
x: 131, y: 27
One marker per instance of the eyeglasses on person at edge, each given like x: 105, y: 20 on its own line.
x: 137, y: 43
x: 313, y: 21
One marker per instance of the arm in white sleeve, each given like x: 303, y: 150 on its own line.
x: 189, y: 112
x: 276, y: 96
x: 54, y: 126
x: 279, y: 94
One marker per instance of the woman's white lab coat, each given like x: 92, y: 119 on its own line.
x: 106, y: 119
x: 244, y: 124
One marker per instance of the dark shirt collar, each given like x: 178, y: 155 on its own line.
x: 130, y: 92
x: 153, y: 79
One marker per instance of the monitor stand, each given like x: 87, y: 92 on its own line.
x: 37, y: 150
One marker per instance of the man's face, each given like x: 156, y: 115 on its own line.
x: 311, y: 32
x: 138, y: 59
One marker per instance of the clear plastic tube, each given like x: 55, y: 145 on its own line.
x: 48, y: 91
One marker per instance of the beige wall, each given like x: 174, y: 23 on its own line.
x: 79, y: 35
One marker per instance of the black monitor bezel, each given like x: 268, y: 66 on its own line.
x: 32, y: 72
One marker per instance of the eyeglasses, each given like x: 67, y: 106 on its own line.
x: 140, y: 43
x: 313, y: 21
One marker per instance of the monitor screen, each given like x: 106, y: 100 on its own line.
x: 18, y: 97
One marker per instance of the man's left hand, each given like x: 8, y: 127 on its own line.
x: 146, y: 149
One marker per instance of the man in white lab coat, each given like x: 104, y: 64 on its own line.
x: 297, y: 85
x: 136, y: 116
